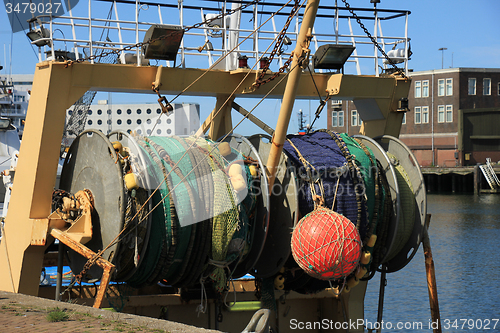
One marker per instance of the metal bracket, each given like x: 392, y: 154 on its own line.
x: 87, y: 253
x: 80, y: 230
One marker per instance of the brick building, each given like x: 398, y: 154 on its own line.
x: 454, y: 116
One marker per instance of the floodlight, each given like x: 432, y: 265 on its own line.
x: 38, y: 35
x: 166, y: 41
x: 332, y: 56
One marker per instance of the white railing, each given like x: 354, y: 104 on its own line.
x: 106, y: 25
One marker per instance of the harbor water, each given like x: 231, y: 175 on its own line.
x: 464, y: 234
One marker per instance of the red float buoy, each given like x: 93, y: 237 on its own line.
x: 326, y: 245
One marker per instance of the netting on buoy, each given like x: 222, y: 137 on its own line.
x: 326, y: 245
x: 347, y: 176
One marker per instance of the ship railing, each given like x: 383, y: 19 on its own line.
x: 93, y: 30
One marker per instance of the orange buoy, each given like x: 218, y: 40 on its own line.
x: 326, y: 245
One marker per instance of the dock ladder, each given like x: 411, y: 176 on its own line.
x: 490, y: 174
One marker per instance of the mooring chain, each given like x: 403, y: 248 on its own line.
x: 277, y: 47
x: 399, y: 70
x: 141, y: 44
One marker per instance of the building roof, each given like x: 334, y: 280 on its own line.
x: 455, y: 70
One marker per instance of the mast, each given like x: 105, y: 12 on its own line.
x: 300, y: 60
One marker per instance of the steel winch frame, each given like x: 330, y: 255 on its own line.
x: 57, y: 85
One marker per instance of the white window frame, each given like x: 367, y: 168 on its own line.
x: 469, y: 90
x: 354, y: 118
x: 425, y: 114
x: 418, y: 115
x: 335, y: 119
x: 441, y: 114
x: 404, y: 119
x: 449, y: 113
x: 441, y: 87
x: 341, y: 118
x: 449, y: 87
x: 425, y: 88
x: 418, y: 89
x: 487, y: 86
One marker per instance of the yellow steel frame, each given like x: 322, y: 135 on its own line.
x: 57, y: 86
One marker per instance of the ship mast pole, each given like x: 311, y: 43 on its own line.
x: 300, y: 58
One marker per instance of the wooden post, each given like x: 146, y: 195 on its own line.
x: 476, y: 180
x: 431, y: 278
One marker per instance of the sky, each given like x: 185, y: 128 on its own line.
x: 467, y: 29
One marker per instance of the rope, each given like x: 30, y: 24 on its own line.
x: 319, y: 200
x: 407, y: 197
x: 320, y: 149
x: 380, y: 249
x: 224, y: 223
x: 3, y: 240
x: 117, y: 238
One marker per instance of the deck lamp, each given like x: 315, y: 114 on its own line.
x: 166, y: 41
x: 38, y: 35
x: 332, y: 56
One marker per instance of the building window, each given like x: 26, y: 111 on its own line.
x: 129, y: 111
x: 418, y: 114
x: 149, y: 131
x: 148, y: 121
x: 341, y: 118
x: 89, y: 122
x: 71, y: 112
x: 129, y: 121
x: 337, y: 119
x: 440, y: 113
x: 418, y: 89
x: 139, y: 111
x: 109, y: 111
x: 99, y: 122
x: 449, y: 113
x: 139, y: 131
x: 472, y: 86
x: 425, y: 114
x: 158, y: 111
x: 158, y: 131
x: 119, y: 111
x: 169, y: 131
x: 486, y: 87
x: 441, y: 87
x: 109, y: 121
x: 89, y: 112
x: 138, y: 121
x: 99, y: 112
x: 425, y: 88
x: 119, y: 121
x: 169, y: 121
x: 148, y: 111
x: 334, y: 119
x: 404, y: 119
x: 449, y: 87
x: 354, y: 118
